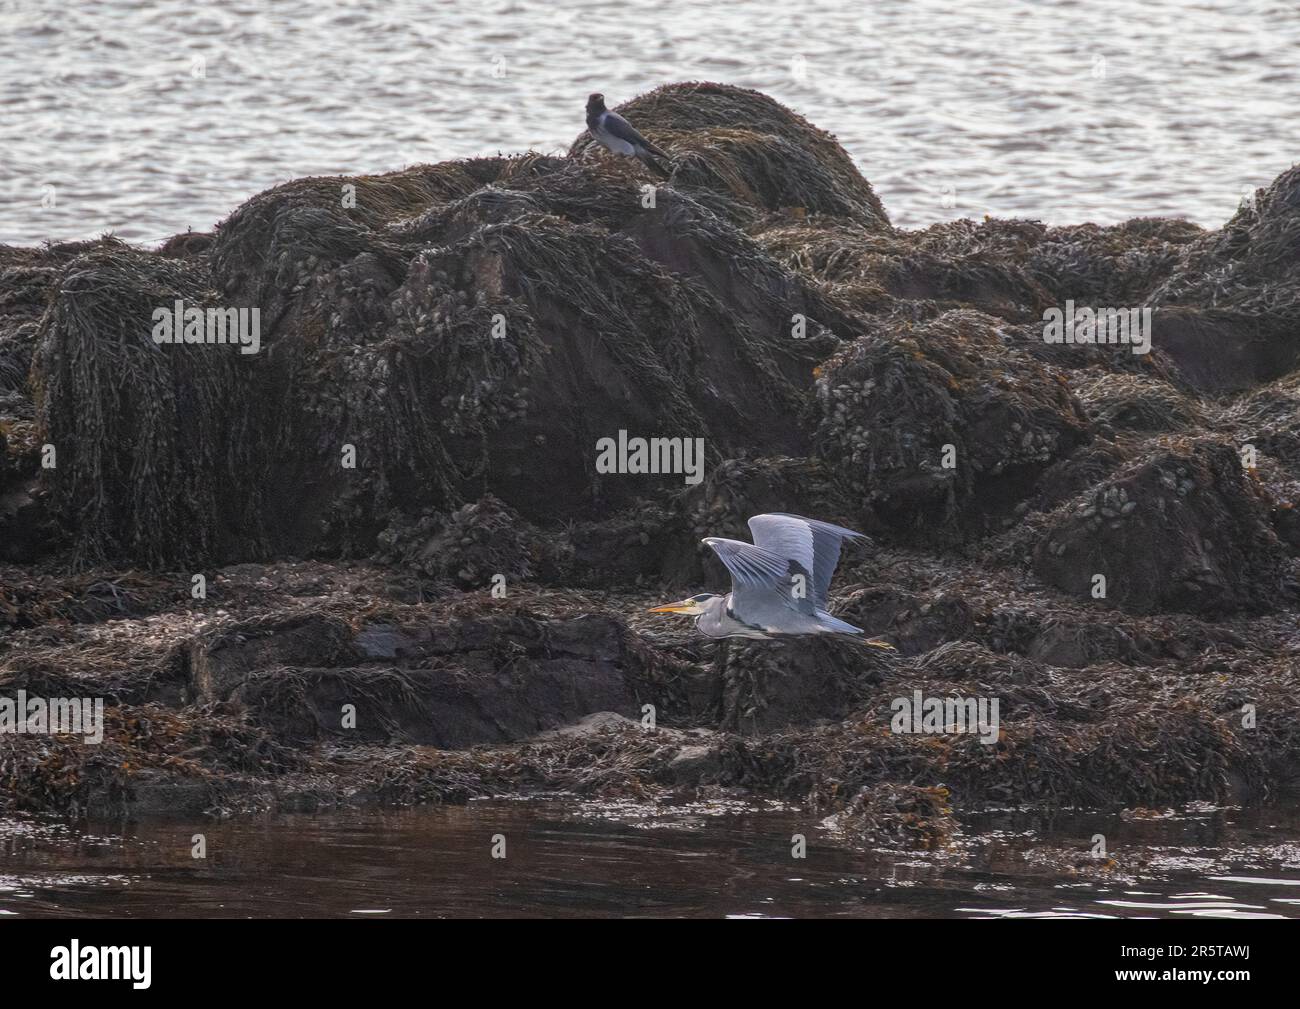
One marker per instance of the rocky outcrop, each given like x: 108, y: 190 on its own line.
x: 1186, y: 530
x: 377, y: 562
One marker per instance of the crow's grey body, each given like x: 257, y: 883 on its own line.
x: 618, y: 135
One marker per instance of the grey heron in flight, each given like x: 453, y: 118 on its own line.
x: 778, y: 582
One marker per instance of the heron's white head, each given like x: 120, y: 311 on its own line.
x: 694, y: 606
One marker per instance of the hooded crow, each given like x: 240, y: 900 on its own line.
x: 618, y: 135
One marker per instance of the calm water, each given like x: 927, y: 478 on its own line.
x: 148, y: 119
x: 566, y: 858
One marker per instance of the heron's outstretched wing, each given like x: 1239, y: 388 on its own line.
x: 762, y: 582
x: 621, y: 128
x: 812, y: 545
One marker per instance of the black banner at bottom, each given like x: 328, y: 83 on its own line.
x: 333, y: 958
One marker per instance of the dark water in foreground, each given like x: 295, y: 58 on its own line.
x: 565, y: 858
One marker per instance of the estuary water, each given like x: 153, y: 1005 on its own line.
x: 564, y: 858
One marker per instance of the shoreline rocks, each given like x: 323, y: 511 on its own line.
x: 473, y: 589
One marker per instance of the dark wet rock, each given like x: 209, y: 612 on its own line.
x: 450, y: 684
x: 26, y: 530
x: 696, y: 764
x: 156, y: 793
x: 1182, y: 530
x: 221, y: 661
x: 384, y: 641
x: 453, y: 705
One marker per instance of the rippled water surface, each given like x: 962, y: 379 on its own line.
x: 714, y: 859
x: 151, y: 118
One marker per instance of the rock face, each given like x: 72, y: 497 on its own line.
x: 463, y: 327
x: 419, y: 585
x: 1186, y: 530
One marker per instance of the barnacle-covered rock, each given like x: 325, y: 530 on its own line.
x: 1183, y: 528
x: 938, y: 427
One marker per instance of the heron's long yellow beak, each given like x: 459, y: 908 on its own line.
x: 674, y: 608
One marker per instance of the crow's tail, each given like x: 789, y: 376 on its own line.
x: 653, y: 163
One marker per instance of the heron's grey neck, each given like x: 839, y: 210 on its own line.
x: 713, y: 621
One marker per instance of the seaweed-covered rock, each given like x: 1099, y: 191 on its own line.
x: 772, y: 685
x: 428, y: 336
x: 777, y: 160
x: 635, y: 546
x: 970, y: 662
x: 441, y: 350
x: 1114, y: 265
x: 1267, y: 421
x: 1182, y: 529
x: 1129, y: 402
x: 907, y: 816
x: 911, y: 622
x: 938, y: 427
x: 158, y: 451
x: 951, y: 264
x: 1230, y: 310
x: 470, y: 546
